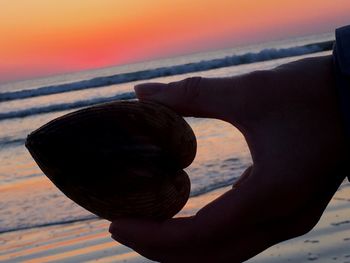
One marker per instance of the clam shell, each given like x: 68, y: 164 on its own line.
x: 120, y: 159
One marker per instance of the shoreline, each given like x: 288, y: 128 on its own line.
x: 90, y: 241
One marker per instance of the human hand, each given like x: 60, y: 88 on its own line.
x: 290, y: 120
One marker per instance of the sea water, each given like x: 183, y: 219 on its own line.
x: 28, y: 199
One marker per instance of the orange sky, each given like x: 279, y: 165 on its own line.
x: 40, y: 37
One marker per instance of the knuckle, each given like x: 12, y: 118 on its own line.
x: 260, y: 94
x: 261, y: 77
x: 190, y: 88
x: 264, y: 83
x: 193, y: 233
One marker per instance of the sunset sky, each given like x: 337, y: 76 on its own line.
x: 41, y: 37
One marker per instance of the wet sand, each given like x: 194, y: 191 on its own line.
x: 89, y: 241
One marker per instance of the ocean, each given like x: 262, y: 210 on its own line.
x: 28, y: 199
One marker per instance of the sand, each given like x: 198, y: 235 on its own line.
x: 89, y: 241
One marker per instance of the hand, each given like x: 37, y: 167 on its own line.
x: 290, y: 119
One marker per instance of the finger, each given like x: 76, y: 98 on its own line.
x: 228, y: 216
x: 238, y: 249
x: 232, y: 214
x: 235, y: 248
x: 221, y: 98
x: 151, y: 234
x: 259, y: 237
x: 243, y: 177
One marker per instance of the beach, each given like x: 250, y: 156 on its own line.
x: 90, y: 241
x: 38, y: 223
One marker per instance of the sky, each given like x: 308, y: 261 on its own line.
x: 40, y: 38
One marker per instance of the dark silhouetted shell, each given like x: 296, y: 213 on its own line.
x: 120, y: 159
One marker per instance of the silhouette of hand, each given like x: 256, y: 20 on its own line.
x: 290, y: 120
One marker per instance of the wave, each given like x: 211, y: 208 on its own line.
x: 263, y: 55
x: 64, y: 222
x: 195, y: 193
x: 9, y: 141
x: 64, y: 106
x: 212, y: 187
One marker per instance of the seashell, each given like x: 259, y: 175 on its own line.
x: 119, y: 159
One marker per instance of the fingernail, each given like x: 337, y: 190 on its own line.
x: 116, y: 226
x: 111, y: 228
x: 148, y: 89
x: 117, y: 236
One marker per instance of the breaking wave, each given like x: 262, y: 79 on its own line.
x: 64, y: 106
x: 263, y: 55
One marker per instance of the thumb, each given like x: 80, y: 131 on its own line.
x: 221, y: 98
x: 142, y: 234
x: 153, y: 239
